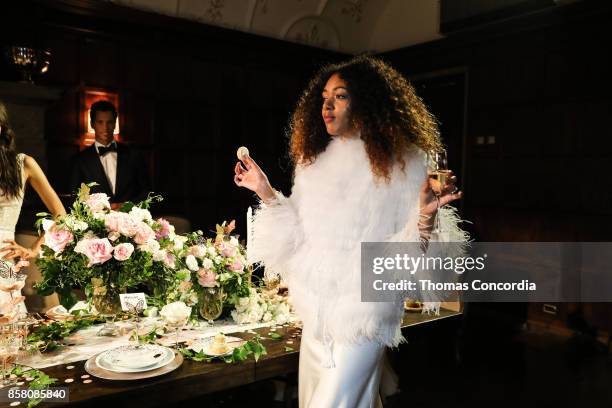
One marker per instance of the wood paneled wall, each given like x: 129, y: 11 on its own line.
x: 541, y: 85
x: 189, y: 95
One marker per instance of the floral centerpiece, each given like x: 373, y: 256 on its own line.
x: 262, y: 305
x: 106, y: 251
x: 215, y: 270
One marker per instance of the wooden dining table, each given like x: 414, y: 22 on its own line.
x: 194, y: 379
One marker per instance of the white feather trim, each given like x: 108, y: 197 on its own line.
x: 313, y: 239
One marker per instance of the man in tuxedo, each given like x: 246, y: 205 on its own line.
x: 120, y: 171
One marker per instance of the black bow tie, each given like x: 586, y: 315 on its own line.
x: 103, y: 150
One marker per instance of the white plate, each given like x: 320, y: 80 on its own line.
x: 135, y: 357
x: 106, y: 361
x: 104, y: 364
x: 204, y: 345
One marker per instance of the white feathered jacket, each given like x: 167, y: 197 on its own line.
x: 313, y: 239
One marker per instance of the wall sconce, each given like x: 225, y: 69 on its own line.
x: 88, y: 97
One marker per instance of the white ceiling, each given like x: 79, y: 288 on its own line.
x: 350, y: 26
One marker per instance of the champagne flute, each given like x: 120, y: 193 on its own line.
x: 438, y: 174
x: 177, y: 323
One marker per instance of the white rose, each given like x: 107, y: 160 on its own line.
x: 47, y: 224
x: 159, y: 256
x: 140, y: 214
x: 211, y: 251
x: 74, y: 224
x: 99, y: 215
x: 234, y: 242
x: 179, y: 242
x: 151, y: 246
x: 207, y: 264
x: 175, y: 312
x: 192, y: 263
x: 81, y: 245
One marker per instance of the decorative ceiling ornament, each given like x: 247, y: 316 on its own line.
x: 354, y: 9
x: 261, y: 6
x: 314, y: 31
x: 214, y: 11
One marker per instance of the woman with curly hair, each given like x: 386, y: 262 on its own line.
x: 358, y: 137
x: 17, y: 170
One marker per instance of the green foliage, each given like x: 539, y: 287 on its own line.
x: 40, y: 381
x: 275, y: 336
x: 49, y: 337
x: 252, y: 347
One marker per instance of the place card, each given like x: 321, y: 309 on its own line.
x: 133, y: 302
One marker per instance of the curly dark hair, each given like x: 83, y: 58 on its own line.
x: 384, y: 108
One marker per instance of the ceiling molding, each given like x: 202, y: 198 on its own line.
x: 322, y: 6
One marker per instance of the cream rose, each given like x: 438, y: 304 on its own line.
x: 97, y: 202
x: 175, y: 312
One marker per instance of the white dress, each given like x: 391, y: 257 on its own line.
x: 9, y: 214
x: 313, y: 240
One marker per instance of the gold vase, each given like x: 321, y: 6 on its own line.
x: 210, y: 303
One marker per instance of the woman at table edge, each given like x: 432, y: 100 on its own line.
x: 17, y: 170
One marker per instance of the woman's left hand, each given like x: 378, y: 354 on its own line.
x: 427, y: 200
x: 14, y: 250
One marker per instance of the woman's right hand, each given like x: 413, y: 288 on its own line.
x: 253, y: 178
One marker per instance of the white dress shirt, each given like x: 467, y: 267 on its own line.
x: 109, y: 162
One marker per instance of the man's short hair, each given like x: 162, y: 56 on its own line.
x: 102, y: 106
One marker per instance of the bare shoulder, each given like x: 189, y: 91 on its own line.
x: 29, y: 162
x: 30, y: 166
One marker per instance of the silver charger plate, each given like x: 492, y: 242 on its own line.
x: 104, y: 360
x: 92, y: 368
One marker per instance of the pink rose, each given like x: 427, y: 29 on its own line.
x: 207, y: 279
x: 170, y: 260
x: 97, y: 250
x: 123, y: 251
x: 97, y: 202
x: 57, y: 239
x: 128, y: 226
x: 198, y: 251
x: 165, y: 228
x: 143, y: 234
x: 112, y: 221
x: 237, y: 266
x: 226, y: 249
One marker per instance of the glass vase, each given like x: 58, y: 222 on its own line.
x: 210, y: 303
x: 106, y: 300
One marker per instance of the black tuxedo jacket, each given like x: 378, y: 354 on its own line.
x: 132, y: 182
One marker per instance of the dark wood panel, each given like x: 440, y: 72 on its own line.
x: 140, y: 65
x: 137, y: 121
x: 64, y: 67
x: 99, y: 63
